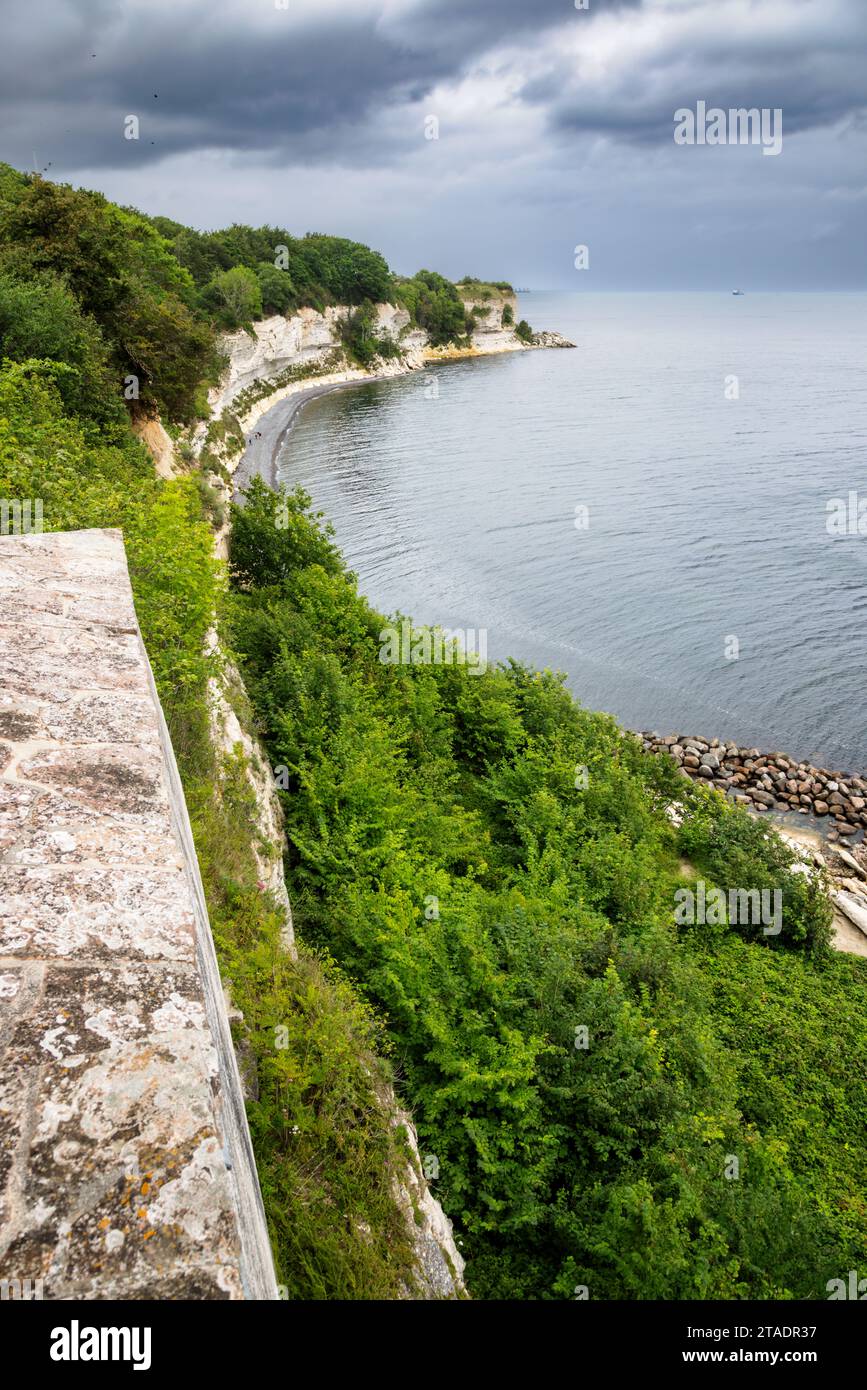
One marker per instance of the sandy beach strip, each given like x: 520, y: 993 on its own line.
x: 265, y: 434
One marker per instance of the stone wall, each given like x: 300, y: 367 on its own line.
x: 126, y: 1169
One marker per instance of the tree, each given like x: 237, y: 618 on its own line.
x: 237, y: 292
x: 123, y: 274
x: 40, y: 318
x: 276, y: 288
x: 435, y: 305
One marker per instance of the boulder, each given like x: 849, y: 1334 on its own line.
x: 762, y: 797
x: 851, y: 863
x: 852, y: 909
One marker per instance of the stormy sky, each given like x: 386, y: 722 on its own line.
x: 555, y: 128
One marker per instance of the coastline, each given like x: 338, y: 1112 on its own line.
x: 819, y: 813
x: 274, y: 414
x: 765, y: 782
x: 273, y: 417
x: 760, y: 781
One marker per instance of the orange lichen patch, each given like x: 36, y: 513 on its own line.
x: 142, y: 1214
x: 145, y: 1188
x: 147, y: 1235
x: 105, y: 1223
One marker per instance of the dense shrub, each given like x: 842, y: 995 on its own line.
x: 326, y: 1151
x: 435, y: 305
x: 123, y: 276
x: 439, y: 847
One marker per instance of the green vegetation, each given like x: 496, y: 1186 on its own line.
x: 473, y: 288
x: 235, y: 296
x: 327, y: 1152
x: 360, y: 339
x: 290, y: 271
x: 136, y: 305
x: 435, y: 305
x: 325, y: 1149
x: 488, y: 909
x: 471, y: 914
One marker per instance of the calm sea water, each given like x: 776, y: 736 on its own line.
x: 454, y: 495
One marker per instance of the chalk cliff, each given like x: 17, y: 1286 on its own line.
x: 280, y: 357
x: 309, y: 339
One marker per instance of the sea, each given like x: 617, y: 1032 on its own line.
x: 673, y: 513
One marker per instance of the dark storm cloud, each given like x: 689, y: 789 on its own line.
x: 312, y: 83
x: 301, y: 82
x: 814, y: 73
x: 556, y: 127
x: 466, y: 27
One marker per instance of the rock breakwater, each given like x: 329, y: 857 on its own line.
x: 769, y: 781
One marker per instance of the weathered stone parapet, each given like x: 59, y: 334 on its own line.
x: 126, y: 1169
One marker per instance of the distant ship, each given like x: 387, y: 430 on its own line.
x: 737, y: 291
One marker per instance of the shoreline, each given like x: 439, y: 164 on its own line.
x: 790, y: 793
x: 259, y: 458
x: 760, y: 781
x: 775, y: 782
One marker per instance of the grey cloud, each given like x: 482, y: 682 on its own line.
x: 282, y: 84
x: 313, y: 117
x: 816, y: 78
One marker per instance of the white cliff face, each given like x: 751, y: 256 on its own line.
x: 439, y: 1264
x: 490, y: 333
x: 488, y: 313
x: 310, y: 338
x: 305, y: 338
